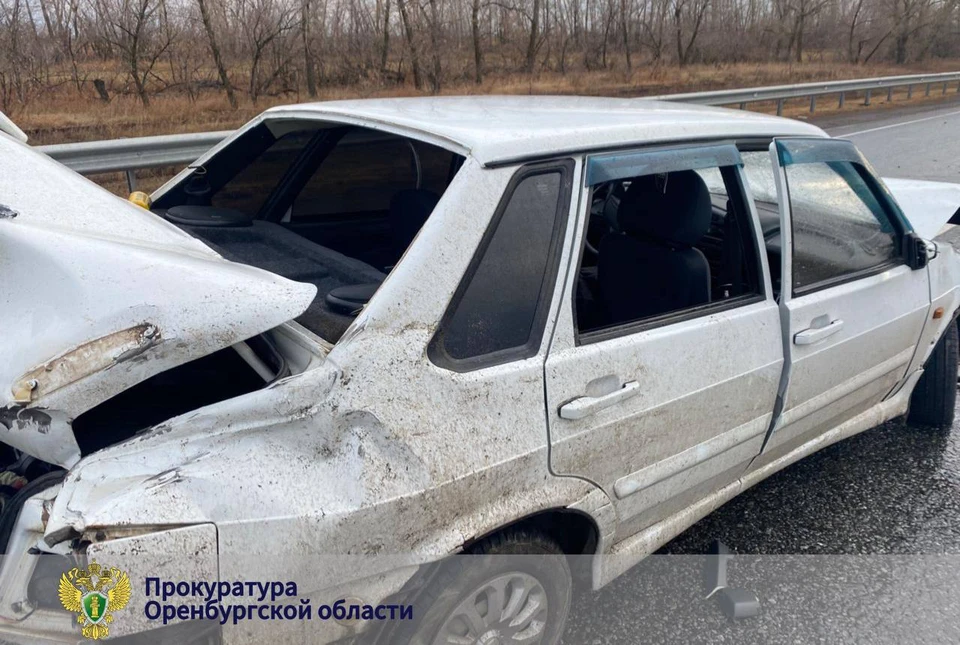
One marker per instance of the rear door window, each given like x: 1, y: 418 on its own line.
x: 669, y: 237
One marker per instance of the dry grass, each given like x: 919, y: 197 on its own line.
x: 61, y: 115
x: 64, y: 115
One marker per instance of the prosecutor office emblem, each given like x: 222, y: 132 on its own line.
x: 94, y: 594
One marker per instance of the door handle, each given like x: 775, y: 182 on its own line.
x: 587, y: 405
x: 816, y: 334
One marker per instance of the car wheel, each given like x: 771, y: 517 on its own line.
x: 484, y: 598
x: 933, y: 400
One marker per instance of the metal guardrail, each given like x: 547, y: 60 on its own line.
x: 89, y: 158
x: 781, y: 93
x: 129, y: 155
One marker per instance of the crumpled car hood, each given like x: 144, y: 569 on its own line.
x: 928, y: 205
x: 97, y: 295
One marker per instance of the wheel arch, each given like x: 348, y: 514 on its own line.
x: 576, y: 531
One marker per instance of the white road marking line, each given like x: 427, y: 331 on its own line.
x: 897, y: 125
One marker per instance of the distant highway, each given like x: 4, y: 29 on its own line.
x: 914, y: 144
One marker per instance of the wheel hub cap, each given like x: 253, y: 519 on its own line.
x: 507, y: 610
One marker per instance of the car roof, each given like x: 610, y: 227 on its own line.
x: 505, y: 129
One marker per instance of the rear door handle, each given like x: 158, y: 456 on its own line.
x: 587, y: 405
x: 816, y: 334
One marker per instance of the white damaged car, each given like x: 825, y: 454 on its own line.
x: 421, y: 327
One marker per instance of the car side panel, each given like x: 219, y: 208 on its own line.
x: 705, y: 398
x: 876, y: 322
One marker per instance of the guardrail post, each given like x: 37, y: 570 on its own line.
x: 813, y: 102
x: 743, y: 106
x: 909, y: 92
x: 840, y: 103
x: 944, y: 89
x: 131, y: 180
x: 889, y: 94
x: 927, y: 91
x: 866, y: 98
x: 779, y: 107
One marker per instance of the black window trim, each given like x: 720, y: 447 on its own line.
x: 436, y: 351
x: 890, y: 210
x: 663, y: 320
x: 673, y: 317
x: 853, y: 276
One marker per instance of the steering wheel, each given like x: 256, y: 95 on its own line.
x: 590, y: 248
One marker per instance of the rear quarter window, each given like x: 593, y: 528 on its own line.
x: 498, y: 313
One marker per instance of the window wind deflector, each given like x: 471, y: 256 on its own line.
x: 808, y: 150
x: 817, y: 149
x: 624, y: 165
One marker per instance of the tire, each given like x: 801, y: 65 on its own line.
x: 934, y: 398
x: 469, y: 581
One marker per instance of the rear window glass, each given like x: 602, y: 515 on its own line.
x: 249, y: 189
x: 359, y: 175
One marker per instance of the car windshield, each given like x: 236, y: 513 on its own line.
x: 759, y: 173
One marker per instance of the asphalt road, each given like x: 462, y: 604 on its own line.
x: 859, y: 543
x: 914, y: 143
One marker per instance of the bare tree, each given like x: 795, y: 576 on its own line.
x: 625, y: 32
x: 384, y: 23
x: 803, y: 10
x: 135, y: 30
x: 61, y: 18
x: 215, y: 52
x: 21, y: 60
x: 908, y: 19
x: 309, y: 71
x: 477, y: 48
x: 688, y: 16
x: 265, y: 25
x: 411, y: 43
x: 531, y: 57
x: 434, y: 27
x: 313, y: 46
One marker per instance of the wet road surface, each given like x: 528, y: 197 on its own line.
x: 914, y: 143
x: 858, y: 543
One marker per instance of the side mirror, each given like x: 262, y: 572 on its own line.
x: 141, y: 199
x: 914, y: 250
